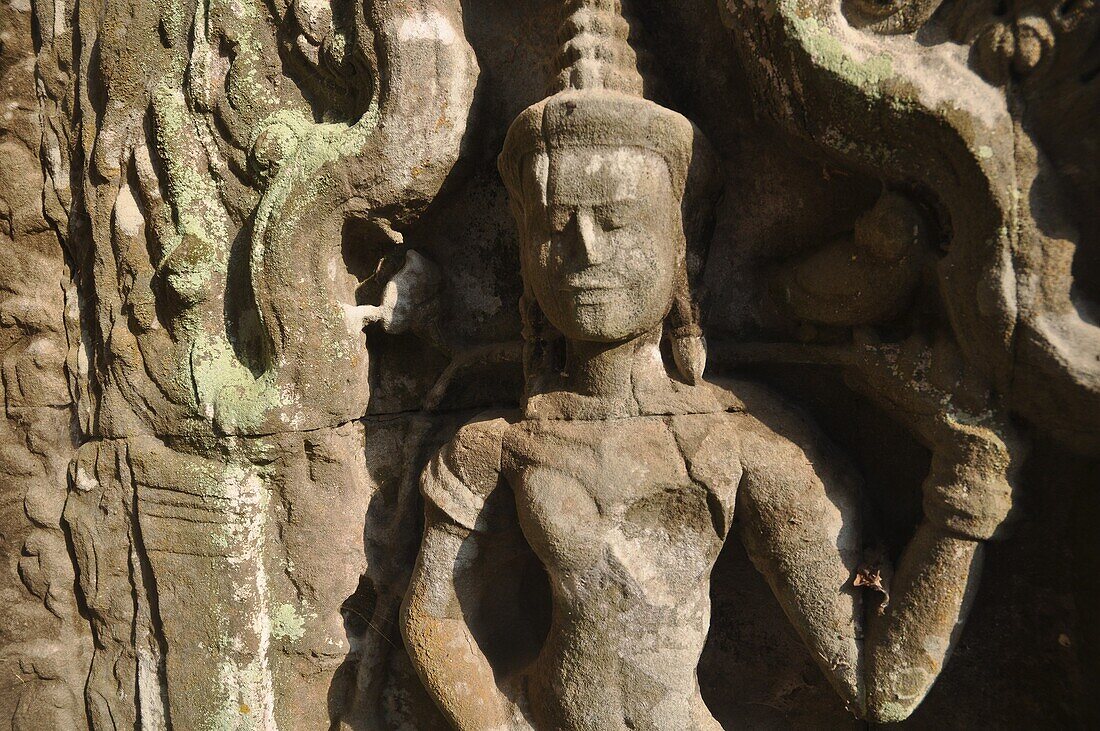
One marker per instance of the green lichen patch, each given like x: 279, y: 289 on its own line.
x: 828, y: 52
x: 287, y: 623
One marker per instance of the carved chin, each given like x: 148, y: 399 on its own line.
x: 605, y: 318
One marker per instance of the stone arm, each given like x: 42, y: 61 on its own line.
x: 908, y: 642
x: 458, y: 617
x: 451, y: 664
x: 967, y: 499
x: 800, y: 522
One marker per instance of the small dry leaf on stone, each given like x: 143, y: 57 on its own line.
x: 870, y: 576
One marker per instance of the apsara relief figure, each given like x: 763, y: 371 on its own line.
x: 624, y: 475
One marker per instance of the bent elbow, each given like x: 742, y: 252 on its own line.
x: 888, y: 711
x: 891, y: 703
x: 421, y: 624
x: 415, y: 621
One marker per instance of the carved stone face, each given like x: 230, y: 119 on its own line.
x: 601, y: 251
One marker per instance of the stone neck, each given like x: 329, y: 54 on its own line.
x: 602, y: 380
x: 622, y: 380
x: 601, y: 370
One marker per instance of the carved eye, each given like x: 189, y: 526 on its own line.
x: 614, y: 217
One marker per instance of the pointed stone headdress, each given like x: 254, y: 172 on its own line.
x: 596, y: 100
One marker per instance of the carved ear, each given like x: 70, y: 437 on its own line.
x: 689, y: 348
x: 683, y: 324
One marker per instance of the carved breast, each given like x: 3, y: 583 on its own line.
x: 612, y: 512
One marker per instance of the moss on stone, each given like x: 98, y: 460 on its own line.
x: 828, y: 52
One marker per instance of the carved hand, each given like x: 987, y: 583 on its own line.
x: 969, y: 490
x: 406, y: 299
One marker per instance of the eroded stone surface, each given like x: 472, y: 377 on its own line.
x: 623, y: 476
x: 45, y: 643
x: 262, y: 276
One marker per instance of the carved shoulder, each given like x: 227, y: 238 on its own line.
x: 791, y: 469
x: 771, y: 428
x: 779, y: 447
x: 462, y: 477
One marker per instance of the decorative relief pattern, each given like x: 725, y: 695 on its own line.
x: 422, y: 363
x: 45, y: 644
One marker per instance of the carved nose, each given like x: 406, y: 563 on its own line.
x: 589, y: 238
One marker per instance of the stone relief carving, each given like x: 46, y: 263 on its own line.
x: 623, y: 479
x: 909, y: 107
x: 45, y: 645
x: 354, y: 378
x: 223, y: 332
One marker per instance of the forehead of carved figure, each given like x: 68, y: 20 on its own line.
x: 582, y: 177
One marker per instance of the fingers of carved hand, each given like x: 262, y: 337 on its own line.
x: 406, y: 297
x: 977, y: 509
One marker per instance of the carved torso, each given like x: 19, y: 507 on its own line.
x: 628, y: 540
x: 627, y: 517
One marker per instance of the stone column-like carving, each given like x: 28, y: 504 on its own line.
x: 223, y: 360
x: 45, y: 645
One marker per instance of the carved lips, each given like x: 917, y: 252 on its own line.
x: 588, y: 290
